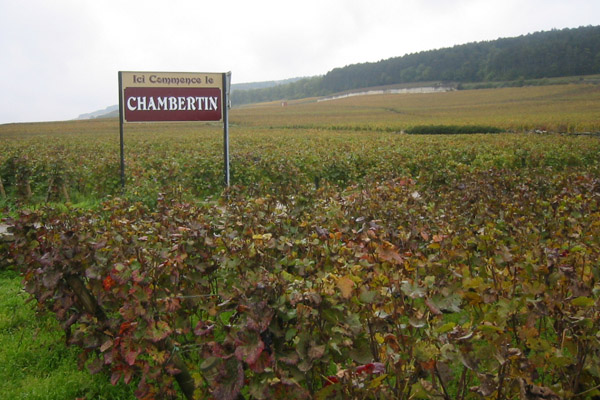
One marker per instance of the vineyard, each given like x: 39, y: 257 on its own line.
x: 349, y: 259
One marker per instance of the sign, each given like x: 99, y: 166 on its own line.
x: 171, y: 96
x: 174, y: 96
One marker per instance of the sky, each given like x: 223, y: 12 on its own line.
x: 60, y: 58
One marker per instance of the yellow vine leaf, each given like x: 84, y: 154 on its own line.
x: 346, y: 285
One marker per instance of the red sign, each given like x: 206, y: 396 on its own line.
x: 145, y: 104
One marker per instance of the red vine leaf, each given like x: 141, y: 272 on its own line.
x: 114, y: 378
x: 230, y: 380
x: 160, y: 331
x: 249, y: 347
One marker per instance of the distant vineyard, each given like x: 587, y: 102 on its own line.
x: 84, y: 167
x: 275, y: 147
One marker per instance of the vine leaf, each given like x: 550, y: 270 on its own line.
x: 160, y: 331
x: 230, y: 380
x: 361, y: 351
x: 316, y: 351
x: 412, y: 290
x: 106, y: 345
x: 346, y: 286
x: 114, y: 378
x: 534, y: 392
x: 249, y: 347
x: 583, y: 301
x: 390, y: 254
x: 131, y: 355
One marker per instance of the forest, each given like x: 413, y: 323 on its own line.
x: 555, y: 53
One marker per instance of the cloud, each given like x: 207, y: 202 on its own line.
x: 61, y: 58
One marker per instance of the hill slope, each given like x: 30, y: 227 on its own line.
x: 114, y: 109
x: 566, y: 52
x: 556, y: 53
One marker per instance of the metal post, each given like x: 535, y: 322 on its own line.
x: 226, y: 105
x: 121, y: 120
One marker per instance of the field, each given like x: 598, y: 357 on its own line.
x: 339, y: 141
x: 560, y: 108
x: 374, y: 263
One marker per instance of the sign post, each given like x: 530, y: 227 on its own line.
x: 226, y: 106
x: 122, y: 147
x: 174, y: 96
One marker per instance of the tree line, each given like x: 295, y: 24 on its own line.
x: 555, y: 53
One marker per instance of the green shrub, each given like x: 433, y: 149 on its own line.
x: 451, y: 129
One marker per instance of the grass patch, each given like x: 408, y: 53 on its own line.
x: 35, y: 362
x: 451, y: 129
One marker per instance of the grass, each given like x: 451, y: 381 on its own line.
x: 35, y: 362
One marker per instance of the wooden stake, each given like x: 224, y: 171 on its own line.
x: 27, y: 190
x: 50, y: 187
x: 2, y: 192
x: 65, y: 192
x: 87, y: 300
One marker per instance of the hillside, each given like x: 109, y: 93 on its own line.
x: 534, y: 58
x: 261, y: 85
x: 556, y: 53
x: 110, y: 110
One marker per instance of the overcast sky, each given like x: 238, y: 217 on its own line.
x: 59, y: 58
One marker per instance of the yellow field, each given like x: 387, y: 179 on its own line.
x: 561, y: 108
